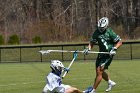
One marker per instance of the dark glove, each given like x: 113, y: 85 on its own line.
x: 85, y: 51
x: 113, y: 51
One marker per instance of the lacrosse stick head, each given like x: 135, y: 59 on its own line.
x: 75, y: 54
x: 43, y: 52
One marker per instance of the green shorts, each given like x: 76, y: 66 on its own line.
x: 104, y: 59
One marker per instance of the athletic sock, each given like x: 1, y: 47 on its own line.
x: 109, y: 81
x: 94, y: 89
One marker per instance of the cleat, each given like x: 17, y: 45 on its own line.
x: 89, y: 90
x: 92, y: 91
x: 110, y: 85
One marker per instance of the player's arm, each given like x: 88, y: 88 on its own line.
x: 90, y: 45
x: 92, y: 41
x: 119, y: 43
x: 88, y: 48
x: 114, y: 49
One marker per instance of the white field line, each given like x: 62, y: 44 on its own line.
x: 26, y: 83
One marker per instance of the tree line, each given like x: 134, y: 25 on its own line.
x: 66, y: 20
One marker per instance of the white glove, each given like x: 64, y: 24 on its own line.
x: 85, y: 51
x: 113, y: 51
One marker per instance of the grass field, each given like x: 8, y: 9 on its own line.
x: 30, y: 77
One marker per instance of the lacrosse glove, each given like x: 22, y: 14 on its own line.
x: 66, y: 69
x: 113, y: 51
x: 85, y: 52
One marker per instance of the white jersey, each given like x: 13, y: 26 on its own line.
x: 54, y: 84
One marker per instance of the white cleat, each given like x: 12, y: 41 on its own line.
x: 110, y: 85
x: 89, y: 92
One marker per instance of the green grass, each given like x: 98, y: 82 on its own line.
x: 30, y: 77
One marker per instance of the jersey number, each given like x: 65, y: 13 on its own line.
x: 105, y: 43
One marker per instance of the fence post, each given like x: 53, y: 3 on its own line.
x: 62, y: 54
x: 40, y: 55
x: 0, y: 55
x: 131, y: 55
x: 20, y: 54
x: 84, y: 55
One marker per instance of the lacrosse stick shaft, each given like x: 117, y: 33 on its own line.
x: 68, y: 67
x: 48, y: 51
x: 74, y: 57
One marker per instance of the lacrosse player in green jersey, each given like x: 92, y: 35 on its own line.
x: 108, y: 41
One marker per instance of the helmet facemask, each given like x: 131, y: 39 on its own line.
x: 101, y: 29
x: 102, y: 24
x: 57, y: 67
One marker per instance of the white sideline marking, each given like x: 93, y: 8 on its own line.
x: 25, y: 83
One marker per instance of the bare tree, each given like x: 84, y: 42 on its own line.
x: 65, y: 20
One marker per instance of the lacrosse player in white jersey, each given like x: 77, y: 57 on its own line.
x: 54, y: 81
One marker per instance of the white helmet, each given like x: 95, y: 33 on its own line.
x: 103, y: 23
x: 57, y: 65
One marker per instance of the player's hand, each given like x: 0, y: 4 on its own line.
x: 66, y: 69
x: 113, y: 51
x: 85, y: 51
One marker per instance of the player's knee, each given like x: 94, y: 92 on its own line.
x: 99, y: 71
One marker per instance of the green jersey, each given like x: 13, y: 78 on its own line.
x: 106, y: 39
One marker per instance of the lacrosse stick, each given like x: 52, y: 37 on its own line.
x: 49, y: 51
x: 74, y: 57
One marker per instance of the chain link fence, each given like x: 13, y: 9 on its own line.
x: 11, y: 54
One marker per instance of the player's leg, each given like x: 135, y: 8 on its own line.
x: 109, y: 81
x: 99, y: 70
x: 97, y: 81
x: 72, y: 90
x: 98, y: 78
x: 106, y: 76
